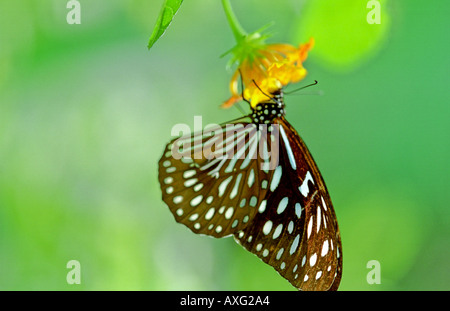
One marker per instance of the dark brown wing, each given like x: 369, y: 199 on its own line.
x: 212, y: 181
x: 296, y: 230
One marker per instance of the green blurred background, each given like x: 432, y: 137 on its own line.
x: 85, y: 112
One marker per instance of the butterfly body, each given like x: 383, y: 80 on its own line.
x: 266, y: 112
x: 258, y: 182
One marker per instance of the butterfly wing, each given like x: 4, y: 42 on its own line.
x: 296, y: 232
x: 212, y: 180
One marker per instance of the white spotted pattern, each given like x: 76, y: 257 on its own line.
x: 236, y: 187
x: 298, y: 210
x: 294, y: 245
x: 267, y: 227
x: 259, y: 183
x: 223, y: 186
x: 288, y: 149
x: 324, y: 248
x: 276, y: 178
x: 277, y: 231
x: 310, y: 225
x: 304, y: 188
x: 210, y: 213
x: 282, y: 205
x: 196, y: 201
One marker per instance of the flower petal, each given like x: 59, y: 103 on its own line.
x: 267, y: 70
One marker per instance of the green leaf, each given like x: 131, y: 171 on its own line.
x: 168, y: 11
x: 344, y: 39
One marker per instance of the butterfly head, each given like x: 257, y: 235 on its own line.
x: 266, y: 111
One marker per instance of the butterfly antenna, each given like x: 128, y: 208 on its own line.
x: 303, y: 87
x: 254, y: 82
x: 242, y: 88
x: 319, y: 93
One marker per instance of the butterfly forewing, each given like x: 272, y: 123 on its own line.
x: 295, y: 229
x: 213, y: 181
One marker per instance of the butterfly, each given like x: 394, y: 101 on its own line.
x: 255, y: 179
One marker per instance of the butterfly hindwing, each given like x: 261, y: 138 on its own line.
x: 295, y: 230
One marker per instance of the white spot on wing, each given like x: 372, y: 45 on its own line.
x: 198, y: 187
x: 294, y: 245
x: 189, y: 174
x: 280, y: 253
x: 193, y: 217
x: 290, y: 227
x: 304, y: 188
x: 177, y: 199
x: 264, y: 184
x: 171, y: 169
x: 276, y: 178
x: 262, y: 207
x: 318, y: 275
x: 324, y: 248
x: 310, y: 224
x: 298, y: 210
x: 196, y: 201
x: 303, y: 260
x: 223, y: 186
x: 288, y: 148
x: 190, y: 182
x: 229, y: 213
x: 277, y: 231
x: 235, y: 190
x: 282, y: 205
x: 324, y: 205
x: 251, y: 178
x: 319, y: 218
x: 210, y: 213
x: 253, y: 201
x: 267, y: 227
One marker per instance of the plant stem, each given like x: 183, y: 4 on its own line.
x: 238, y: 32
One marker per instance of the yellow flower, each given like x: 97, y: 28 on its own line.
x: 268, y: 69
